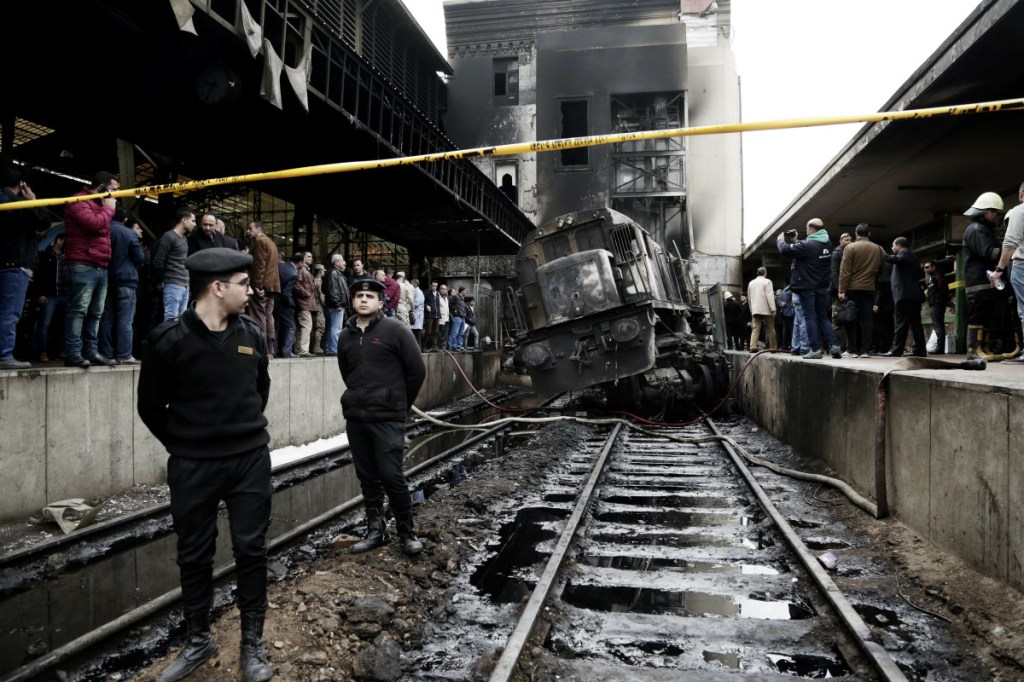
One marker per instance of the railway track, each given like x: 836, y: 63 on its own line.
x: 629, y: 554
x: 46, y: 572
x: 674, y: 564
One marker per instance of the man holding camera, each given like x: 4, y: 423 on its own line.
x: 812, y: 259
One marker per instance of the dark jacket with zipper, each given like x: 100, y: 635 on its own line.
x: 202, y: 393
x: 382, y: 368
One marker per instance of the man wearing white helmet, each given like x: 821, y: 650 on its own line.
x: 985, y: 302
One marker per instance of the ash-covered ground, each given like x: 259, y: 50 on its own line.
x: 384, y: 616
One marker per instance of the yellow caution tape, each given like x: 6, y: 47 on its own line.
x: 528, y: 147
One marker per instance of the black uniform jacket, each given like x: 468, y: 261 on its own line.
x: 203, y: 394
x: 382, y: 368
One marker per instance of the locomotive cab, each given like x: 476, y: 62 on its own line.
x: 605, y: 305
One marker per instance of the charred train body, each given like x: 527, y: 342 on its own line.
x: 604, y: 305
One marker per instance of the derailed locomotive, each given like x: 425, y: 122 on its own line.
x: 602, y: 303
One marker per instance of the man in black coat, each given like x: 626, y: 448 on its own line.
x: 383, y: 371
x: 203, y: 387
x: 907, y: 297
x: 431, y: 317
x: 207, y: 236
x: 938, y: 299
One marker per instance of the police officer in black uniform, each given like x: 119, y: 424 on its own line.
x: 383, y: 371
x: 203, y: 387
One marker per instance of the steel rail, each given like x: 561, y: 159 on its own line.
x: 506, y: 665
x: 854, y: 624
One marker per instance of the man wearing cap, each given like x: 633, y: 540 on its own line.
x: 203, y: 387
x: 735, y: 331
x: 383, y: 371
x: 985, y: 303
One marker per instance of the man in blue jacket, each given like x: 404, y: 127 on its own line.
x: 812, y: 258
x: 126, y: 257
x: 383, y: 371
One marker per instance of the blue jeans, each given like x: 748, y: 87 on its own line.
x: 1017, y: 282
x: 814, y: 303
x: 175, y: 301
x: 116, y: 323
x: 46, y: 318
x: 335, y: 319
x: 799, y: 341
x: 455, y: 335
x: 87, y: 294
x: 13, y: 287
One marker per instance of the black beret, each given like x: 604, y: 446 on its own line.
x: 217, y: 260
x: 366, y: 285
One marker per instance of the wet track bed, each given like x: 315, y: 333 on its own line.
x: 62, y: 588
x: 677, y: 571
x: 676, y: 568
x: 680, y: 570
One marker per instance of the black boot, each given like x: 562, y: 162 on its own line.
x: 411, y: 544
x: 253, y: 659
x: 199, y: 648
x: 376, y: 531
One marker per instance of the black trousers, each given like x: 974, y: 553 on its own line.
x: 197, y: 486
x: 908, y: 318
x: 859, y: 334
x: 378, y: 456
x: 939, y: 325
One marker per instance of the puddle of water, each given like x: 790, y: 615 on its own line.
x: 677, y: 540
x: 826, y: 544
x: 671, y: 501
x: 815, y: 667
x: 677, y: 519
x: 727, y: 659
x: 686, y: 603
x: 498, y: 576
x: 676, y: 565
x: 882, y: 618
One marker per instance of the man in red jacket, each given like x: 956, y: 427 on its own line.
x: 86, y: 257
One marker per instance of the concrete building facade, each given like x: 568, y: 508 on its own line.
x: 526, y: 70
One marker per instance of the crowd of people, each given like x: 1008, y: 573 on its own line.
x: 855, y: 299
x: 89, y: 292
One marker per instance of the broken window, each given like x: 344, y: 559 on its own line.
x: 506, y: 80
x: 574, y: 124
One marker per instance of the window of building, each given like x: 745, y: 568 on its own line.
x: 506, y: 178
x: 506, y: 80
x: 574, y: 124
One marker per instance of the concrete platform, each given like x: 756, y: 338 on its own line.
x: 68, y: 432
x: 953, y: 449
